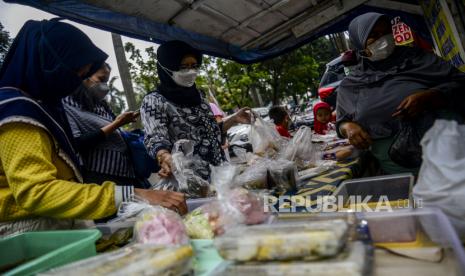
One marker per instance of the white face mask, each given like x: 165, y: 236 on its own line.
x: 184, y: 77
x: 382, y: 48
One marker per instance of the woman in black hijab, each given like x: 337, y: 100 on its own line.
x: 178, y: 110
x: 40, y: 183
x: 389, y: 85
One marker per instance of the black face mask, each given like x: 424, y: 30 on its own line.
x: 60, y: 79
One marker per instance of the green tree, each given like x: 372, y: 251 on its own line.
x: 116, y: 97
x: 5, y: 42
x: 143, y: 70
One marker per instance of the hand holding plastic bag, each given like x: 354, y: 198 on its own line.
x: 188, y: 172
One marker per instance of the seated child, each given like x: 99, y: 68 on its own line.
x: 281, y: 119
x: 322, y: 118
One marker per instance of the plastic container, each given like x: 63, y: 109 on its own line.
x: 355, y: 262
x: 396, y: 189
x: 283, y: 241
x: 432, y: 230
x: 138, y: 259
x: 39, y: 251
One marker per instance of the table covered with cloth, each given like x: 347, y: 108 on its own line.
x: 320, y: 185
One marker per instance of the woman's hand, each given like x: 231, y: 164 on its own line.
x: 417, y: 103
x: 168, y: 199
x: 357, y: 136
x: 126, y: 118
x: 243, y: 116
x: 164, y: 160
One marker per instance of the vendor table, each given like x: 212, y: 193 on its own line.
x: 322, y: 184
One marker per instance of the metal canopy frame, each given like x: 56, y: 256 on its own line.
x: 246, y: 31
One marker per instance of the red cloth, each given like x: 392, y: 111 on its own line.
x: 320, y: 128
x: 283, y: 131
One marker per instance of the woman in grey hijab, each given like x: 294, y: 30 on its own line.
x: 390, y: 84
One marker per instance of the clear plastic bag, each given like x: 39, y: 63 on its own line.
x: 189, y: 172
x: 153, y: 224
x: 277, y: 175
x: 205, y: 222
x: 159, y: 226
x: 300, y: 149
x: 137, y: 259
x: 234, y: 206
x: 264, y: 138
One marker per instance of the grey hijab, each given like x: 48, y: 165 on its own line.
x: 373, y: 90
x: 360, y: 28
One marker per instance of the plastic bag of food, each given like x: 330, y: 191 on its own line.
x: 300, y: 149
x: 159, y: 226
x: 234, y: 206
x: 264, y: 138
x: 283, y: 241
x: 205, y: 222
x: 137, y: 259
x: 189, y: 172
x: 276, y: 175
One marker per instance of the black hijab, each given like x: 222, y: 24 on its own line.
x: 39, y: 70
x: 170, y: 55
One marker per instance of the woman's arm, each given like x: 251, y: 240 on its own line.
x: 26, y: 155
x: 157, y: 140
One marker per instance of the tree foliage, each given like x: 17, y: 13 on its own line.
x: 5, y: 42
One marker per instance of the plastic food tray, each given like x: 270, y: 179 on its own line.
x: 354, y: 262
x: 33, y: 252
x: 284, y: 241
x: 396, y: 188
x: 417, y: 229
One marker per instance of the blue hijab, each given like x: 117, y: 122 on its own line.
x: 39, y: 70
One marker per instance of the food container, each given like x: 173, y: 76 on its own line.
x: 32, y: 252
x: 283, y: 241
x: 433, y: 233
x: 138, y: 259
x: 395, y: 190
x: 356, y: 260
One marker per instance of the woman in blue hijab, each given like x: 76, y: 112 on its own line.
x: 40, y: 183
x: 389, y: 86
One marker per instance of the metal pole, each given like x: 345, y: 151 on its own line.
x: 124, y: 72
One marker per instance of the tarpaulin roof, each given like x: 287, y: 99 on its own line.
x: 242, y: 30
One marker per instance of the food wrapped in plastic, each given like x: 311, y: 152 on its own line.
x: 189, y: 172
x: 264, y: 138
x: 283, y: 241
x: 354, y: 261
x: 301, y: 150
x: 137, y: 259
x: 159, y: 226
x: 242, y: 205
x: 257, y: 175
x: 205, y: 222
x: 211, y: 220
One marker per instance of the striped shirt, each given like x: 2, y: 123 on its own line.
x: 110, y: 156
